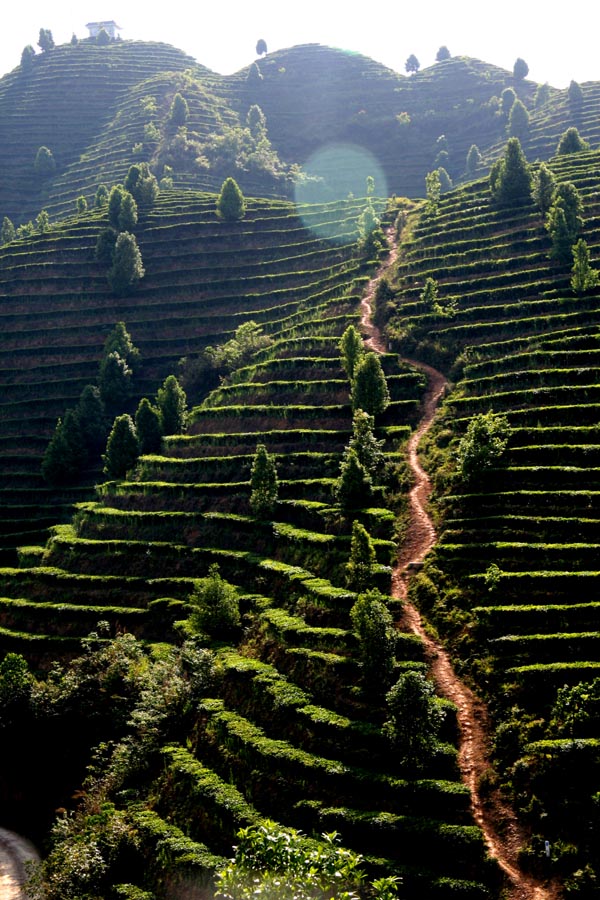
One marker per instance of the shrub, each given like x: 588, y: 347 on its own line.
x: 483, y: 445
x: 215, y: 605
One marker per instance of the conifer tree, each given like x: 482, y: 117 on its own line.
x: 7, y: 232
x: 114, y: 381
x: 544, y: 186
x: 575, y: 94
x: 264, y: 484
x: 179, y: 112
x: 105, y: 246
x: 507, y: 99
x: 520, y: 69
x: 65, y: 453
x: 92, y: 421
x: 560, y: 233
x: 27, y: 57
x: 542, y: 95
x: 510, y: 177
x: 414, y: 719
x: 473, y: 159
x: 369, y: 386
x: 120, y: 341
x: 354, y: 487
x: 361, y: 565
x: 148, y: 426
x: 128, y: 212
x: 101, y: 196
x: 115, y: 198
x: 518, y: 121
x: 127, y: 268
x: 45, y: 163
x: 231, y: 205
x: 363, y: 442
x: 352, y: 349
x: 373, y: 625
x: 571, y: 142
x: 121, y: 448
x: 172, y: 403
x: 564, y: 221
x: 583, y: 277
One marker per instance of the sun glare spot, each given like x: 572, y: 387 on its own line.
x: 333, y: 173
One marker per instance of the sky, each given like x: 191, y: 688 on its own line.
x: 222, y: 34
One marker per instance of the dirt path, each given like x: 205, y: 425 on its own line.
x: 15, y: 852
x: 497, y: 821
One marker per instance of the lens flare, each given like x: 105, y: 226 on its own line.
x: 334, y: 173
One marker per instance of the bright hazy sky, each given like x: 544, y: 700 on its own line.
x: 557, y: 45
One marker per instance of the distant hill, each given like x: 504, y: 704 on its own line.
x: 311, y: 95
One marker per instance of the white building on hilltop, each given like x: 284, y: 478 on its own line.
x: 111, y: 28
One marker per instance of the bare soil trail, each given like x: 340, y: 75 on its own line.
x: 15, y: 853
x: 499, y: 825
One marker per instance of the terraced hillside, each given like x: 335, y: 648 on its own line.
x: 312, y: 96
x: 203, y: 279
x: 513, y: 578
x: 286, y: 732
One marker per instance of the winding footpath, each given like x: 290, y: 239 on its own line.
x: 15, y: 853
x: 503, y: 845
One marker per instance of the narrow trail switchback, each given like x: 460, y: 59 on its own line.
x: 493, y: 814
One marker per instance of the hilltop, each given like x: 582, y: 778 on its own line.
x: 311, y: 96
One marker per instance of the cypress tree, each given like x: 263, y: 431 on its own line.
x: 369, y: 386
x: 115, y: 381
x: 510, y: 177
x: 544, y: 186
x: 148, y: 426
x: 373, y: 625
x: 352, y: 349
x: 172, y: 403
x: 264, y: 485
x: 65, y: 454
x: 361, y: 565
x: 354, y: 487
x: 121, y: 448
x: 127, y: 268
x: 7, y: 232
x: 583, y: 277
x: 231, y: 205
